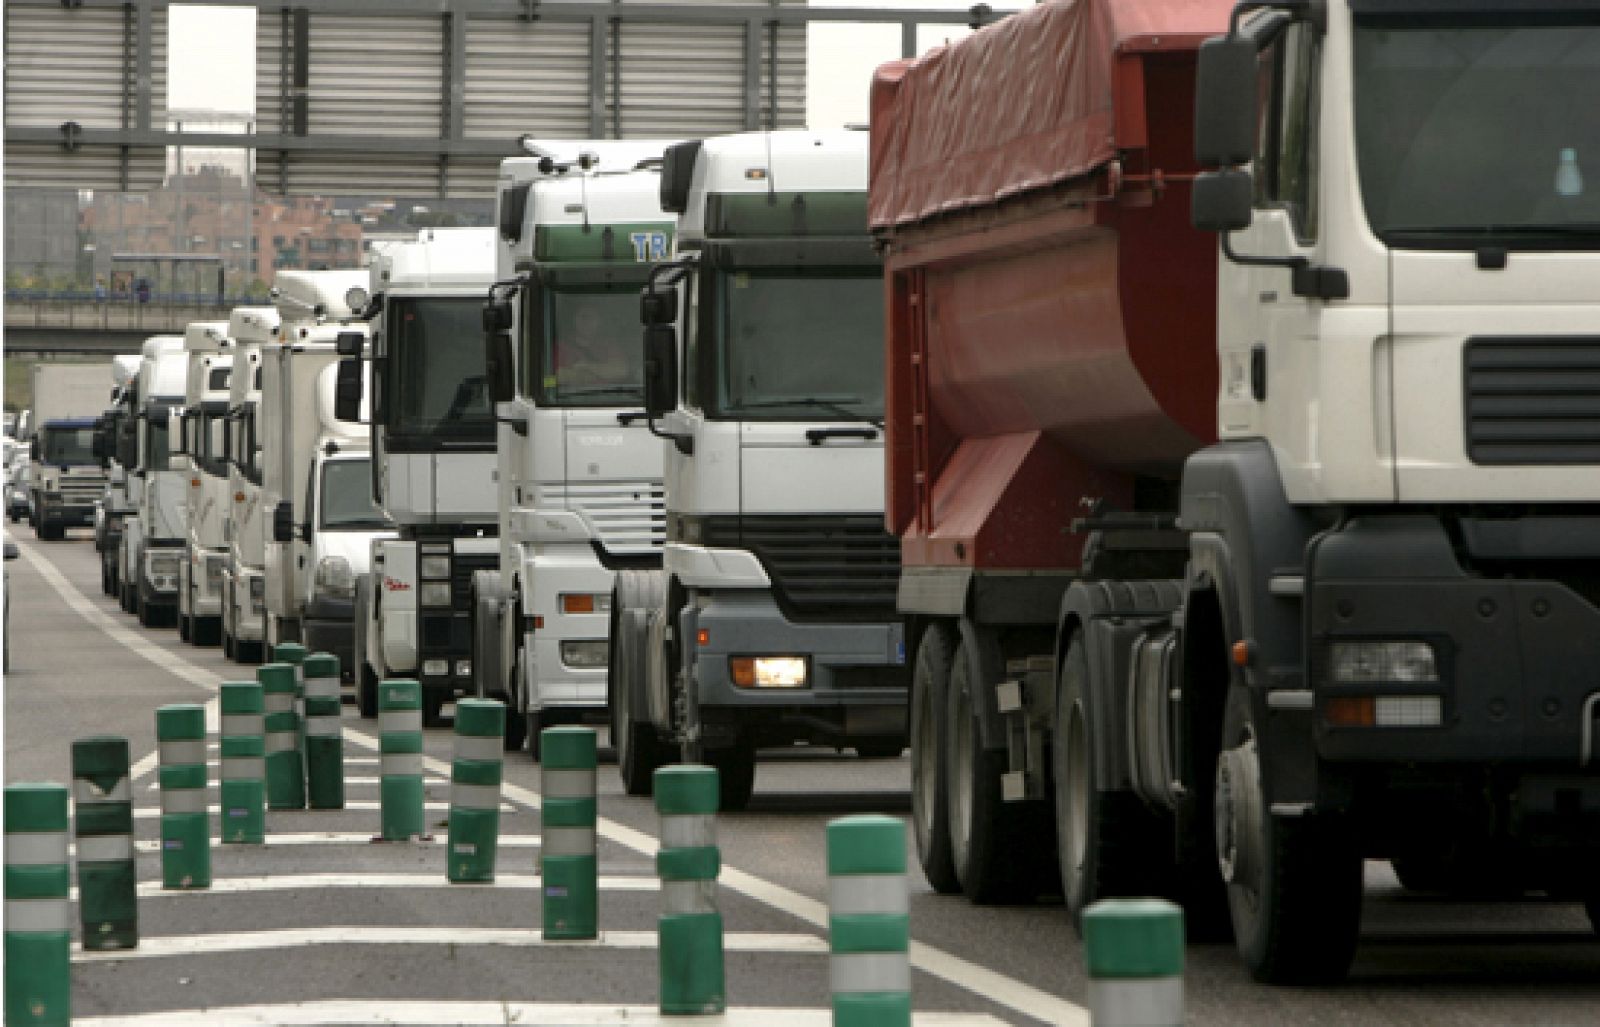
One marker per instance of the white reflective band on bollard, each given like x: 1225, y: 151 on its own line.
x: 1151, y: 1000
x: 280, y: 741
x: 280, y: 702
x: 688, y: 831
x: 464, y: 796
x: 183, y: 800
x: 868, y: 893
x: 473, y: 747
x: 855, y: 973
x: 104, y: 847
x: 187, y: 750
x: 322, y: 727
x: 567, y: 784
x: 688, y: 897
x: 34, y: 916
x: 400, y: 763
x: 322, y: 688
x: 394, y: 721
x: 568, y: 841
x: 249, y: 724
x: 244, y: 768
x: 36, y: 848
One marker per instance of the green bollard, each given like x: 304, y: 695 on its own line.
x: 294, y: 654
x: 475, y: 790
x: 567, y: 854
x: 107, y: 880
x: 869, y: 922
x: 286, y: 783
x: 689, y: 933
x: 324, y: 732
x: 38, y: 922
x: 244, y: 764
x: 1133, y: 951
x: 400, y: 760
x: 185, y: 825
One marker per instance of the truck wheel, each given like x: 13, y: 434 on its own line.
x: 890, y: 750
x: 105, y: 577
x: 736, y: 775
x: 205, y: 630
x: 516, y: 725
x: 367, y: 691
x: 1103, y: 839
x: 433, y: 700
x: 185, y: 626
x: 1294, y: 884
x: 1591, y: 905
x: 984, y: 833
x: 930, y: 815
x: 146, y: 612
x: 640, y: 752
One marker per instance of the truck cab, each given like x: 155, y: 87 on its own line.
x: 64, y: 477
x: 115, y: 505
x: 253, y: 329
x: 154, y: 536
x: 316, y: 468
x: 198, y: 453
x: 580, y: 472
x: 432, y: 440
x: 772, y: 620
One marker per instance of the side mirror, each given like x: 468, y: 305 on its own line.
x: 347, y: 389
x: 33, y: 449
x: 1222, y: 201
x: 658, y: 308
x: 496, y: 316
x: 349, y: 344
x: 1225, y: 101
x: 660, y: 369
x: 499, y: 369
x: 283, y: 522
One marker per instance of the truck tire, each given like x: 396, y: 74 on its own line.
x: 1104, y: 840
x: 367, y: 691
x: 640, y: 751
x: 205, y: 630
x: 986, y: 835
x: 105, y: 576
x: 1294, y: 883
x: 433, y: 700
x: 145, y: 611
x: 1591, y: 905
x: 736, y: 775
x: 930, y: 814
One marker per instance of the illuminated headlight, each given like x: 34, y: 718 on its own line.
x: 334, y: 577
x: 434, y: 566
x: 585, y: 602
x: 434, y: 593
x: 768, y: 671
x: 463, y: 668
x: 585, y: 653
x: 1371, y: 663
x: 435, y: 668
x: 258, y: 594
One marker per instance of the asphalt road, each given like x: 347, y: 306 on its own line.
x: 323, y: 925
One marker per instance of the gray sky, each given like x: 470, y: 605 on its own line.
x: 211, y: 64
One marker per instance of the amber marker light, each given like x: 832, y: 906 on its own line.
x: 1351, y: 711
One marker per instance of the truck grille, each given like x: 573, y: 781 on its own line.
x: 629, y: 517
x: 1533, y: 400
x: 836, y: 568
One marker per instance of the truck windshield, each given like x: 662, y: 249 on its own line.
x: 347, y: 496
x: 1467, y: 134
x: 800, y: 347
x: 434, y: 374
x: 590, y: 355
x: 68, y: 447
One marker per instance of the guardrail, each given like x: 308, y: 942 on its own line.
x: 161, y: 314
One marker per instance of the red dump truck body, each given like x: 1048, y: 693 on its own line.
x: 1052, y: 314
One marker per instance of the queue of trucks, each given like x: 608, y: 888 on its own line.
x: 1203, y: 493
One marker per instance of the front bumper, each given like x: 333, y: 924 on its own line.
x: 329, y: 627
x: 856, y: 675
x: 250, y: 615
x: 55, y: 509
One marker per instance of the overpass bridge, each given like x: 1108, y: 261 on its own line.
x: 56, y: 325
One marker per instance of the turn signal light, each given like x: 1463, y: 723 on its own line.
x: 1351, y: 711
x: 577, y: 602
x: 702, y: 637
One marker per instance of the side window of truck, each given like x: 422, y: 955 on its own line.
x: 689, y: 295
x: 1286, y: 146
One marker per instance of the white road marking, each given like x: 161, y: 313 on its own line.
x: 389, y: 1011
x: 162, y: 947
x: 292, y: 839
x: 310, y: 882
x: 350, y: 782
x: 979, y: 980
x: 355, y: 805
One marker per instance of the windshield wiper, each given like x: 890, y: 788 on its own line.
x: 598, y: 390
x: 811, y: 401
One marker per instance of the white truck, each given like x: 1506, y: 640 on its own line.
x: 579, y: 471
x: 64, y: 476
x: 772, y: 620
x: 432, y: 439
x: 244, y: 601
x: 199, y: 455
x: 316, y: 468
x: 116, y: 503
x: 152, y: 538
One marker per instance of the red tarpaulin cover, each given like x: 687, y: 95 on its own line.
x: 1023, y: 104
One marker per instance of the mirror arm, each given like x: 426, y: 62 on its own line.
x: 683, y: 442
x: 1313, y: 281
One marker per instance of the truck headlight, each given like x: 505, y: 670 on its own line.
x: 163, y: 565
x: 434, y: 566
x: 585, y: 653
x: 213, y: 574
x: 434, y: 593
x: 1382, y: 662
x: 335, y: 578
x: 768, y: 671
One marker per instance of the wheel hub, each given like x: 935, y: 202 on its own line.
x: 1238, y: 814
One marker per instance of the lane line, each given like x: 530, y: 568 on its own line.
x: 979, y: 980
x: 350, y: 805
x: 310, y: 882
x: 167, y: 946
x: 388, y: 1011
x: 289, y: 839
